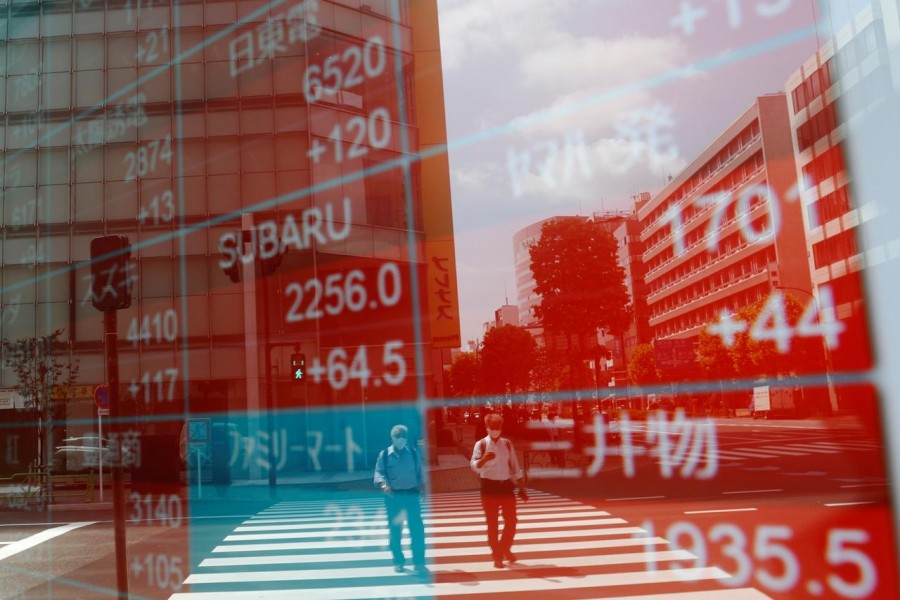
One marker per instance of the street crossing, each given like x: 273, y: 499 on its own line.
x: 338, y: 549
x: 782, y: 450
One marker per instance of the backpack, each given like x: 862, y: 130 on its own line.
x: 382, y: 456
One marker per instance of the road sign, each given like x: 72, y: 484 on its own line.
x: 110, y: 277
x: 101, y: 397
x: 198, y: 431
x: 675, y: 354
x: 103, y: 412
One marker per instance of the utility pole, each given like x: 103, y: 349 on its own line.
x: 832, y: 393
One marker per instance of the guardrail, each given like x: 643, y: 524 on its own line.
x: 34, y: 490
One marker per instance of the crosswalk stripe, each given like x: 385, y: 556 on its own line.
x: 482, y: 587
x: 780, y: 450
x: 756, y: 453
x: 530, y: 507
x: 253, y: 537
x: 317, y: 509
x: 727, y: 455
x: 522, y: 550
x: 738, y: 594
x: 319, y: 517
x: 812, y: 449
x: 840, y: 446
x: 468, y: 567
x: 795, y: 449
x: 473, y: 510
x: 443, y: 499
x: 441, y: 540
x: 724, y: 454
x: 475, y: 518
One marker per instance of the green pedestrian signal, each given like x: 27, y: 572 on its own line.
x: 298, y: 367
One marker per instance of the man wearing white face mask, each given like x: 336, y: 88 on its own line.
x: 398, y: 473
x: 494, y: 459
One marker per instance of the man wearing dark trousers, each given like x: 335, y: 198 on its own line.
x: 398, y: 474
x: 494, y: 460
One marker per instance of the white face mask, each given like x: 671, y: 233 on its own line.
x: 494, y: 433
x: 399, y: 443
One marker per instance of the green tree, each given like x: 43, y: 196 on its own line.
x: 581, y: 285
x: 576, y: 274
x: 642, y: 366
x: 464, y: 373
x: 41, y: 371
x: 752, y: 354
x: 508, y: 356
x: 547, y: 375
x: 713, y: 357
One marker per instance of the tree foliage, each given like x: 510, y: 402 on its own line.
x: 642, y: 366
x: 713, y: 357
x: 752, y: 357
x: 508, y: 357
x: 464, y: 375
x: 547, y: 375
x: 578, y: 278
x: 40, y: 370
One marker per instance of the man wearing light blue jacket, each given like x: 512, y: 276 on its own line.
x: 398, y: 474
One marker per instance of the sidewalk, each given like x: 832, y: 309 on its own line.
x: 451, y: 473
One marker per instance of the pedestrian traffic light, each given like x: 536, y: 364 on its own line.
x: 110, y: 275
x: 234, y: 274
x: 298, y: 367
x: 270, y: 263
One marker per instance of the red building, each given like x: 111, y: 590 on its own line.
x: 728, y: 228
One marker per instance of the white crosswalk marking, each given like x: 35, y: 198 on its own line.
x: 560, y: 544
x: 795, y: 449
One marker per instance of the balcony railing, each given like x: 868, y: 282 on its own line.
x: 741, y: 151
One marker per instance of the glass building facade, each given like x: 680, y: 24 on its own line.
x: 180, y: 126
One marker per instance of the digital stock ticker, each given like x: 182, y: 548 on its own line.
x: 337, y: 299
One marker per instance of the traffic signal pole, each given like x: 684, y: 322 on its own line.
x: 110, y: 338
x: 270, y: 425
x: 111, y: 291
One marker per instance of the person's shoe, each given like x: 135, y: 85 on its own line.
x: 422, y: 570
x: 510, y: 557
x: 399, y: 568
x: 498, y: 564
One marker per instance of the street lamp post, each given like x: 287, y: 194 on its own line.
x: 832, y: 393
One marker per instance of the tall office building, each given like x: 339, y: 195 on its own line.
x: 508, y: 314
x: 727, y: 229
x: 631, y: 249
x: 526, y: 297
x: 849, y: 75
x: 214, y: 135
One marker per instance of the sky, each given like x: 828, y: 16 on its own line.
x: 574, y: 106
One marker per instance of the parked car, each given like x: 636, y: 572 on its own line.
x: 84, y: 453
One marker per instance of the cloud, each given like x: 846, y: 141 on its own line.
x: 476, y: 177
x: 575, y: 62
x: 473, y: 28
x: 611, y: 168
